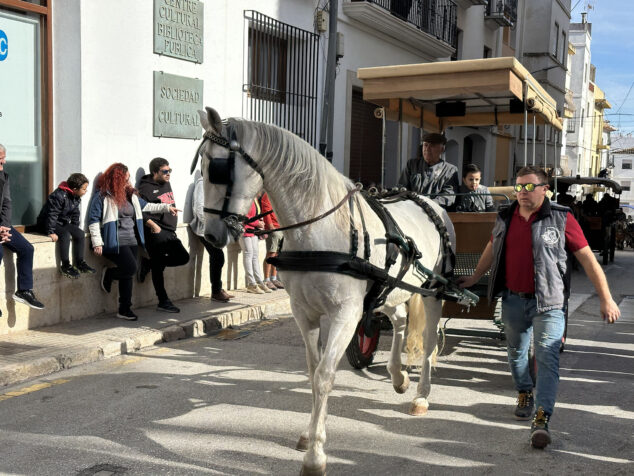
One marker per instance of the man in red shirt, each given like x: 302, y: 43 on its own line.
x: 527, y: 256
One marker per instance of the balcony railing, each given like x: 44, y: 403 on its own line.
x: 435, y: 17
x: 502, y: 12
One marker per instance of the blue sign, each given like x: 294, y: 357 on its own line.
x: 4, y: 46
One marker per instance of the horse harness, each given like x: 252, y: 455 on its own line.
x: 221, y: 171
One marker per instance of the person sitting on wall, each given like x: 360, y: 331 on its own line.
x: 13, y: 240
x: 59, y: 219
x: 477, y: 197
x: 432, y: 175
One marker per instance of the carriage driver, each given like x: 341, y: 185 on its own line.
x: 527, y: 256
x: 432, y: 175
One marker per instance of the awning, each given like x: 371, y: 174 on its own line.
x: 485, y: 86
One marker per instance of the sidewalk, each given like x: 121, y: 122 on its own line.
x: 46, y: 350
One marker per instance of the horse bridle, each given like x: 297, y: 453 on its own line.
x: 221, y: 171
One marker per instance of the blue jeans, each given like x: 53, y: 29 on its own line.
x: 24, y: 251
x: 519, y: 317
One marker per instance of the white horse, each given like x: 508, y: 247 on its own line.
x: 302, y: 184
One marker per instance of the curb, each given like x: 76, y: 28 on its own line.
x: 112, y: 347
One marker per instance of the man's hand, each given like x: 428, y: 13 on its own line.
x: 5, y: 234
x: 610, y: 311
x: 53, y: 237
x: 97, y: 250
x: 174, y: 211
x: 154, y: 228
x: 467, y: 281
x: 260, y: 224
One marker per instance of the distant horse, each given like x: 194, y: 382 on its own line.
x: 239, y: 159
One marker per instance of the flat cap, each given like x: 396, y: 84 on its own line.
x: 434, y: 138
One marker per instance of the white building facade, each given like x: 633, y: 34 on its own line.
x: 622, y: 157
x: 579, y: 127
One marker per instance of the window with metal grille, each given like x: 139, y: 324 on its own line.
x: 280, y: 75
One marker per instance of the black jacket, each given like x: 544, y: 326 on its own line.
x: 5, y: 200
x: 61, y: 208
x: 153, y: 192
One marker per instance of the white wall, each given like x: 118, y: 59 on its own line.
x: 579, y: 142
x: 620, y: 142
x: 103, y: 88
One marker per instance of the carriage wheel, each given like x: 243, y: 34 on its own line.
x: 360, y: 351
x: 612, y: 242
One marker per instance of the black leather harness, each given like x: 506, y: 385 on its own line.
x: 221, y: 171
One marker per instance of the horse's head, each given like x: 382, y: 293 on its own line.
x: 231, y: 178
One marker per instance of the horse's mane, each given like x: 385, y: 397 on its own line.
x: 283, y: 154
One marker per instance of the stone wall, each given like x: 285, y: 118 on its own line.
x: 71, y: 299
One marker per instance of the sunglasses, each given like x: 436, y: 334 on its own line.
x: 529, y: 187
x: 166, y: 171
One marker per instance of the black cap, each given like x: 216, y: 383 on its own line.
x: 434, y: 138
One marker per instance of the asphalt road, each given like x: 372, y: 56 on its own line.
x: 237, y: 406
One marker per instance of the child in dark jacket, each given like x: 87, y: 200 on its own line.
x: 59, y: 219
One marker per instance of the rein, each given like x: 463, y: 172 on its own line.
x: 235, y: 221
x: 312, y: 220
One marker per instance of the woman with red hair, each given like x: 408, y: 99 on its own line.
x: 116, y: 230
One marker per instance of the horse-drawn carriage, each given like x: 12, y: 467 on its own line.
x: 345, y: 254
x: 598, y: 220
x: 435, y: 96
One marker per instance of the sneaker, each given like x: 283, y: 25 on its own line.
x: 144, y: 269
x: 255, y: 289
x: 540, y: 437
x: 85, y: 268
x: 106, y: 281
x: 525, y: 406
x: 167, y: 306
x: 69, y: 271
x: 278, y: 284
x: 127, y: 314
x: 221, y: 296
x: 27, y: 297
x: 264, y: 288
x: 270, y: 285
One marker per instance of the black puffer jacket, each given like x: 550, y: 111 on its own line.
x: 153, y: 192
x: 61, y: 207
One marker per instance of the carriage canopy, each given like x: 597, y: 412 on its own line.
x: 481, y: 92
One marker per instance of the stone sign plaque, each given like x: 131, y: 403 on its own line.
x: 177, y: 100
x: 178, y: 29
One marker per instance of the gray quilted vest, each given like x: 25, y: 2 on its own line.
x: 549, y: 255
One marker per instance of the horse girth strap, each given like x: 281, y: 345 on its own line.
x: 344, y: 263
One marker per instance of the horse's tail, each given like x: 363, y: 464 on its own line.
x: 417, y: 319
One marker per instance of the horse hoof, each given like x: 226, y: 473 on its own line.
x: 418, y: 409
x: 302, y: 444
x: 321, y: 471
x: 402, y: 388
